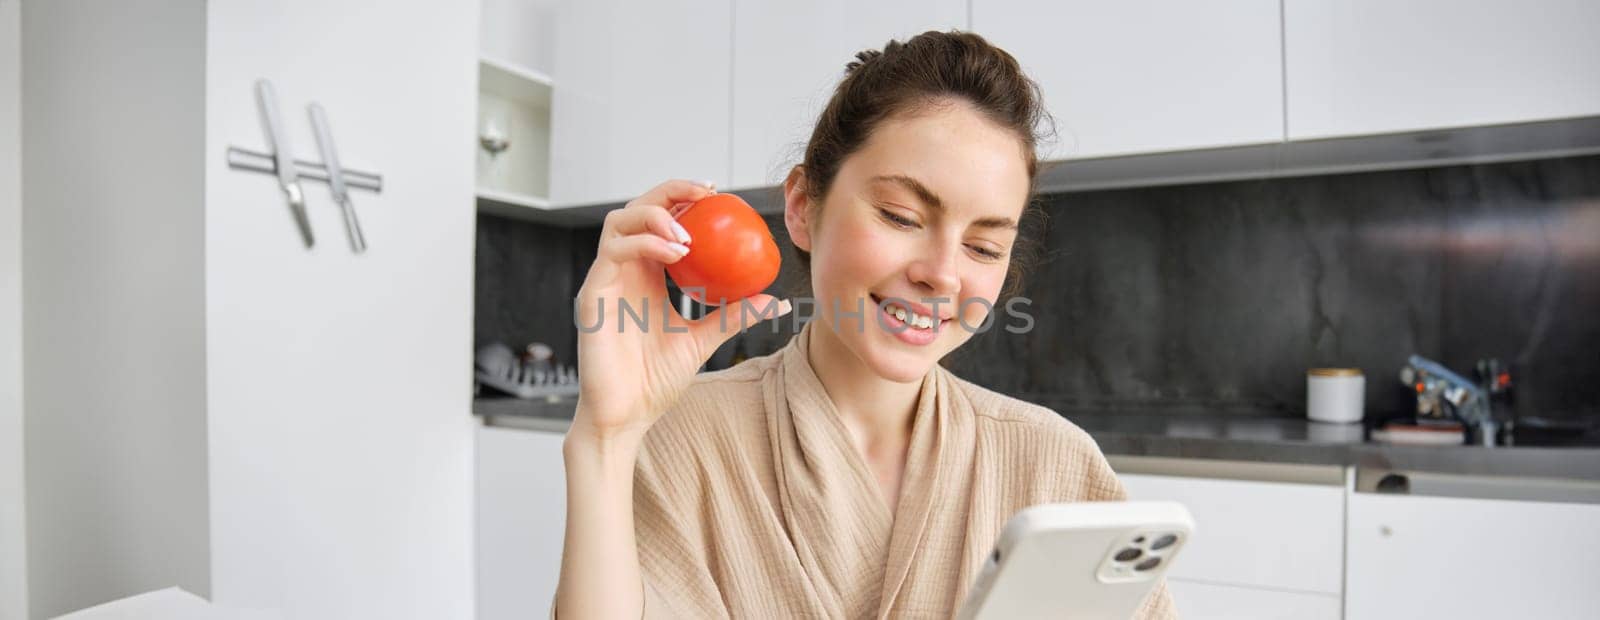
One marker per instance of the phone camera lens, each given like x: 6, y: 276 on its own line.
x: 1128, y: 555
x: 1148, y: 564
x: 1163, y: 542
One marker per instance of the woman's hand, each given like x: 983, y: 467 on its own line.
x: 630, y: 375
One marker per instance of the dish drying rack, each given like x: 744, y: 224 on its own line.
x: 499, y: 368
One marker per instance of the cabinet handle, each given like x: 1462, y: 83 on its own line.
x: 1429, y: 484
x: 1393, y: 484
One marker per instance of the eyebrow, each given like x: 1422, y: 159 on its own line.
x: 932, y: 200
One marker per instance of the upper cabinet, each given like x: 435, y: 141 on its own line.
x: 517, y: 32
x: 641, y: 96
x: 729, y: 90
x: 1374, y: 66
x: 1149, y: 76
x: 787, y: 58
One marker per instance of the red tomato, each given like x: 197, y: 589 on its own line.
x: 731, y: 252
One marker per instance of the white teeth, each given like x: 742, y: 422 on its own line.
x: 911, y: 318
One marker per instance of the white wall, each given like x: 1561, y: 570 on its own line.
x: 339, y: 385
x: 13, y: 528
x: 211, y: 405
x: 113, y: 304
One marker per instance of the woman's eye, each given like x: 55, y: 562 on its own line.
x: 897, y: 221
x: 905, y: 223
x: 986, y: 252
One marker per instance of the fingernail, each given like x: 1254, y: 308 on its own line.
x: 679, y: 249
x: 783, y: 307
x: 711, y: 185
x: 679, y: 232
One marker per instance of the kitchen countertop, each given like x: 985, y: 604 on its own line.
x: 1299, y: 441
x: 1265, y: 439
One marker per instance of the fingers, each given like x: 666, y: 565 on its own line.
x: 647, y: 216
x: 674, y: 192
x: 637, y: 219
x: 642, y: 245
x: 654, y: 211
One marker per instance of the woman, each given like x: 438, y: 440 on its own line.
x: 847, y: 475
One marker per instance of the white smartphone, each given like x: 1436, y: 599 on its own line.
x: 1078, y: 560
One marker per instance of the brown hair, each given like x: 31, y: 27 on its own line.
x: 925, y: 71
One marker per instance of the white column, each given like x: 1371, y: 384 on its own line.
x: 113, y: 300
x: 13, y: 528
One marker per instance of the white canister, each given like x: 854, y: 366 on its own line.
x: 1335, y: 394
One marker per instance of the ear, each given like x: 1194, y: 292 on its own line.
x: 797, y: 208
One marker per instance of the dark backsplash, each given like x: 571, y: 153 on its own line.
x: 1216, y: 297
x: 524, y: 283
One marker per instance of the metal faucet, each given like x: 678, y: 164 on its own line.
x: 1437, y: 386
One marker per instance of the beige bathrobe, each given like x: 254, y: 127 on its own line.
x: 751, y: 501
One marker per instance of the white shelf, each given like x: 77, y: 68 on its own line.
x: 515, y: 82
x: 515, y: 101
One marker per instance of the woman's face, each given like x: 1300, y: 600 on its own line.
x: 923, y: 217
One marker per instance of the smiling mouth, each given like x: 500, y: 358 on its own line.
x: 906, y: 315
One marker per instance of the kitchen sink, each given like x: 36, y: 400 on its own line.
x: 1540, y: 432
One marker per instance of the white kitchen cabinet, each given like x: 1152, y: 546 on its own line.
x: 641, y: 96
x: 1373, y: 66
x: 1413, y: 556
x: 211, y: 404
x: 1197, y: 600
x: 1268, y: 539
x: 1278, y: 535
x: 519, y: 33
x: 522, y: 504
x: 1148, y: 76
x: 787, y: 58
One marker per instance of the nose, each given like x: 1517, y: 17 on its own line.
x: 935, y: 271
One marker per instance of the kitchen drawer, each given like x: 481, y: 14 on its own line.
x: 1199, y: 601
x: 1255, y: 533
